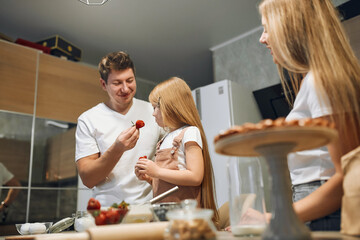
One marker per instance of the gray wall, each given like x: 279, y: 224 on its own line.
x: 246, y: 61
x: 339, y: 2
x: 143, y: 88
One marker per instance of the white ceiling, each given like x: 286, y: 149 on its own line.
x: 164, y: 37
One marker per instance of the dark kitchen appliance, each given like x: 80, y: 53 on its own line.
x: 272, y: 102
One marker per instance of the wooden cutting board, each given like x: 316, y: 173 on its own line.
x: 52, y: 236
x: 133, y: 231
x: 30, y: 237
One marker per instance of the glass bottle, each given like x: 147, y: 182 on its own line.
x: 246, y: 197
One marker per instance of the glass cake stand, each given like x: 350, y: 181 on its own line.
x: 274, y: 144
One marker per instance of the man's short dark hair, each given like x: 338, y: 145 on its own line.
x: 115, y: 61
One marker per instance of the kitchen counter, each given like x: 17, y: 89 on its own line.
x: 140, y: 231
x: 219, y: 236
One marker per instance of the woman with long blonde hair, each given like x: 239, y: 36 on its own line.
x: 307, y: 40
x: 182, y: 156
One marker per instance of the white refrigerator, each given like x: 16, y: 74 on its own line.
x: 222, y: 105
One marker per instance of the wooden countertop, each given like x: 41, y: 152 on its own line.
x: 219, y: 236
x: 153, y: 230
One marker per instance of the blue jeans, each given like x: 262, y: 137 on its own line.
x: 330, y: 222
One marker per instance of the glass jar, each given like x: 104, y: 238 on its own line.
x: 190, y: 223
x: 246, y: 197
x: 83, y: 221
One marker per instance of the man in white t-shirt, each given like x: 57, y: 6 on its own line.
x: 108, y: 145
x: 8, y: 179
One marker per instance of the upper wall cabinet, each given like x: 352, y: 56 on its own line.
x: 17, y: 77
x: 65, y: 89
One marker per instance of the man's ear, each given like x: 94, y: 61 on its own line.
x: 103, y: 84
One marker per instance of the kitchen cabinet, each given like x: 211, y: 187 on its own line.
x: 15, y: 155
x: 60, y: 156
x: 17, y: 77
x: 64, y: 90
x: 36, y: 88
x: 61, y: 90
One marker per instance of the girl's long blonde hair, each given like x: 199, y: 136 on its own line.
x: 178, y: 109
x: 307, y: 35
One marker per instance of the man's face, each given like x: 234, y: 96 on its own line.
x: 120, y: 86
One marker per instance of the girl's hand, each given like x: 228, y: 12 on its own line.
x: 142, y: 177
x: 147, y: 167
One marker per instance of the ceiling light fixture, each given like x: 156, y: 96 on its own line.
x: 93, y: 2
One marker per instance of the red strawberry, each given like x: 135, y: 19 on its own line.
x: 100, y: 219
x: 93, y: 204
x: 112, y: 216
x: 139, y: 124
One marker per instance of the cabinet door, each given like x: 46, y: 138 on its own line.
x: 17, y: 77
x: 66, y: 89
x: 15, y: 155
x: 60, y: 156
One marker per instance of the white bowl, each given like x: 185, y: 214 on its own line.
x: 33, y: 228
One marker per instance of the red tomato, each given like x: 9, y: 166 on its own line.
x: 100, y: 219
x: 93, y: 204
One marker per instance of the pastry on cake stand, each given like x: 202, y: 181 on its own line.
x: 274, y: 144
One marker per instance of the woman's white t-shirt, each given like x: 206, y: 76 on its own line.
x: 192, y: 134
x: 310, y: 165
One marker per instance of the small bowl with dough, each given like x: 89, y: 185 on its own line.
x: 33, y: 228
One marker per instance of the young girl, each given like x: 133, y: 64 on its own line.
x: 306, y: 39
x: 182, y: 157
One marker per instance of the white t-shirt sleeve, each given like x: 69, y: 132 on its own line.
x: 5, y: 175
x: 85, y: 141
x: 318, y: 105
x: 308, y: 104
x: 192, y: 134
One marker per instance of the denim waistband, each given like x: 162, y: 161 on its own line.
x: 314, y: 183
